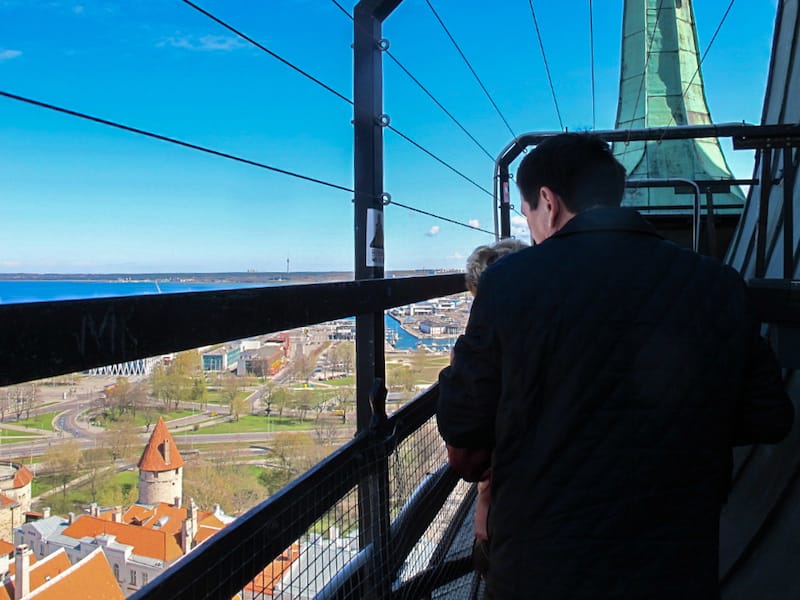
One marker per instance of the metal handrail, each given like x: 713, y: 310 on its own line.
x: 44, y: 339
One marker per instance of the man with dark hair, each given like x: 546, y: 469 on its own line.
x: 608, y: 373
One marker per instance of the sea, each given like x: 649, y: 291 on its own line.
x: 20, y: 291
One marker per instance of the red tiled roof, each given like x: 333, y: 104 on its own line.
x: 146, y: 516
x: 161, y: 445
x: 6, y: 547
x: 153, y: 543
x: 40, y: 573
x: 264, y: 582
x: 89, y: 579
x: 6, y: 501
x: 22, y: 477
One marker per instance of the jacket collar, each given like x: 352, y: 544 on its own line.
x: 607, y: 218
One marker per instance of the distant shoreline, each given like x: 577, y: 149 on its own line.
x: 238, y: 277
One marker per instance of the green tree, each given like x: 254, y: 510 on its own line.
x: 63, y: 461
x: 231, y: 386
x: 400, y: 377
x: 280, y: 399
x: 199, y: 392
x: 343, y: 356
x: 301, y: 402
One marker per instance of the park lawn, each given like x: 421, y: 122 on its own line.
x: 140, y: 420
x: 255, y: 423
x: 4, y: 433
x: 130, y: 476
x: 343, y: 381
x: 21, y: 437
x: 42, y: 484
x: 44, y: 421
x: 78, y: 497
x: 215, y: 396
x: 254, y: 471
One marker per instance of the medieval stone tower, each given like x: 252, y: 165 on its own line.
x: 160, y: 469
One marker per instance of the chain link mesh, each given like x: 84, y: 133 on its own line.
x: 330, y: 560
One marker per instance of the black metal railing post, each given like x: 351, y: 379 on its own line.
x: 368, y: 122
x: 763, y: 212
x: 502, y: 200
x: 788, y: 212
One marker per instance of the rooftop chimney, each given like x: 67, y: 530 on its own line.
x: 191, y: 516
x: 22, y: 575
x: 177, y: 503
x: 187, y: 537
x: 46, y: 512
x: 71, y: 518
x: 94, y: 510
x: 116, y: 514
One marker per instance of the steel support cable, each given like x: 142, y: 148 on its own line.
x: 424, y: 212
x: 546, y: 66
x: 644, y: 73
x: 171, y: 140
x: 330, y: 89
x: 191, y: 146
x: 267, y: 50
x: 436, y: 158
x: 591, y: 53
x: 702, y: 58
x: 471, y: 70
x: 427, y: 92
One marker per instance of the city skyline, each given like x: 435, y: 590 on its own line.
x: 79, y: 197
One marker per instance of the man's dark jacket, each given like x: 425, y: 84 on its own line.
x: 611, y: 372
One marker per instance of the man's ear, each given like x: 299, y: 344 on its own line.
x: 552, y: 204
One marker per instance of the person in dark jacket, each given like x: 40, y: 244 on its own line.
x: 608, y: 373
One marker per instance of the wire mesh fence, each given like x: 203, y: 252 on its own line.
x: 381, y: 517
x: 334, y: 559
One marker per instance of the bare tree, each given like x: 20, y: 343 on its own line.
x: 63, y: 461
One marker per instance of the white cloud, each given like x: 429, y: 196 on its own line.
x: 9, y: 54
x: 474, y: 223
x: 519, y: 226
x: 433, y: 231
x: 456, y: 256
x: 9, y: 263
x: 205, y: 43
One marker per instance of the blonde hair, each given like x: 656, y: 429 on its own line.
x: 483, y: 256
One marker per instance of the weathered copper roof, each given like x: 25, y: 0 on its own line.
x: 661, y: 85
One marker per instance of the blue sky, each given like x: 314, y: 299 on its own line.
x: 80, y: 197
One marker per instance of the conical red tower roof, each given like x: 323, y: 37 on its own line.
x: 161, y: 453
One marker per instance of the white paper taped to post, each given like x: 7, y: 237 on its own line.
x: 374, y: 237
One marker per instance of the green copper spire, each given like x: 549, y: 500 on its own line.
x: 661, y: 86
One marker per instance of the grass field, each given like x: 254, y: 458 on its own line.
x: 141, y: 421
x: 4, y: 433
x: 343, y: 381
x: 215, y: 396
x: 254, y: 423
x: 44, y: 421
x: 110, y: 490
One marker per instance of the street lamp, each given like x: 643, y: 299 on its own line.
x: 267, y: 411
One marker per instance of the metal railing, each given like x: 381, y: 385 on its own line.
x: 391, y: 479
